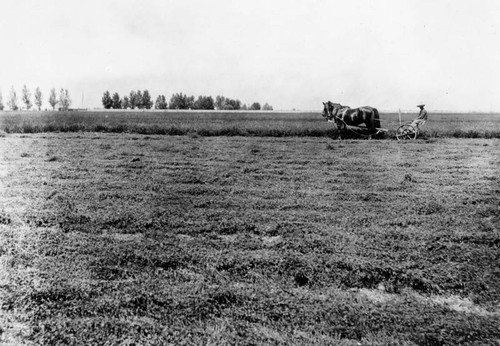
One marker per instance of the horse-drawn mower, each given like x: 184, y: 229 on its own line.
x: 359, y: 121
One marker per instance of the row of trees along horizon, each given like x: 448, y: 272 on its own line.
x: 63, y: 100
x: 142, y: 100
x: 136, y: 99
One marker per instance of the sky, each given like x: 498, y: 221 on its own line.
x: 293, y: 54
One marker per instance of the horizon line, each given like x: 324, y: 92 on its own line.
x: 294, y: 110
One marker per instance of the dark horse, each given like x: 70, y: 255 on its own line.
x: 345, y: 115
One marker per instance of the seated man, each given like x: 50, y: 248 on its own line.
x: 422, y: 117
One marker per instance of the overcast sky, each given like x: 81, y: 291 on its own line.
x: 389, y: 54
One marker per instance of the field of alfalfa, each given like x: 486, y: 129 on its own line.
x: 236, y: 123
x: 247, y: 238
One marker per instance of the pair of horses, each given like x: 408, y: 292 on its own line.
x: 345, y: 116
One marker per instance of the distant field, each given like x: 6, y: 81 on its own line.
x: 214, y: 123
x: 121, y: 239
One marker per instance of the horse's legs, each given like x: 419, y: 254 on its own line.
x: 339, y: 131
x: 370, y: 124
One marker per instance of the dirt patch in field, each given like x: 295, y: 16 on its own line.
x: 463, y: 305
x: 452, y: 302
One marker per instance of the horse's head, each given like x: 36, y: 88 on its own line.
x: 334, y: 110
x: 328, y: 110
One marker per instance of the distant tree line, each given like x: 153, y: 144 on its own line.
x: 134, y: 100
x: 142, y: 100
x: 28, y: 100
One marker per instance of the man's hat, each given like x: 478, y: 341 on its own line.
x: 421, y: 105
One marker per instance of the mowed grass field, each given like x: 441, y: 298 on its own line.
x: 239, y: 123
x: 122, y: 239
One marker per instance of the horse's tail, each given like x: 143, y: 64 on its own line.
x: 376, y: 118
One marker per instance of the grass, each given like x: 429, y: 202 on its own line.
x: 260, y: 124
x: 126, y: 238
